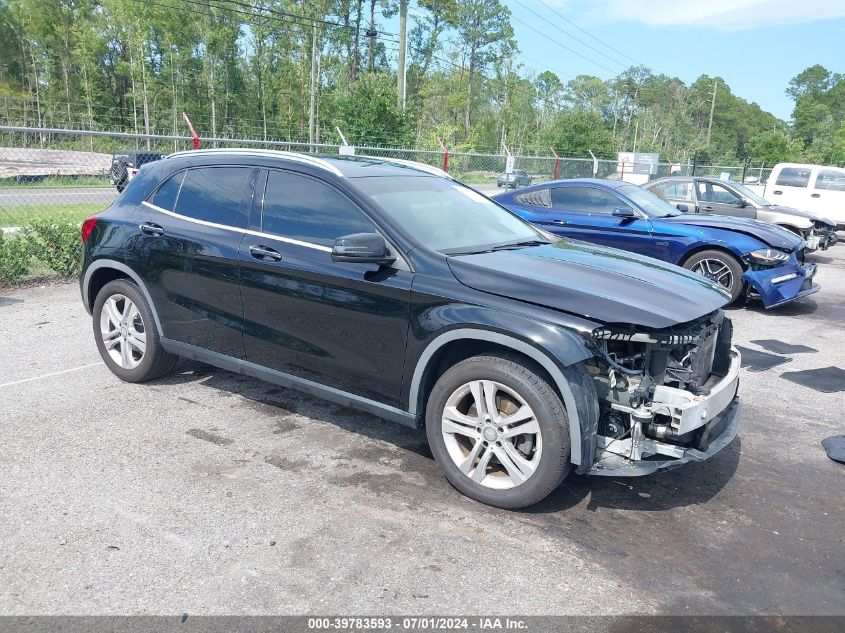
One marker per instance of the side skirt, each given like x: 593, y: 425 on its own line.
x: 289, y: 381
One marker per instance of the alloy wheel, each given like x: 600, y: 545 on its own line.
x: 715, y: 270
x: 123, y: 332
x: 491, y: 434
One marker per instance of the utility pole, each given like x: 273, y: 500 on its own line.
x: 313, y: 104
x: 403, y: 45
x: 712, y: 109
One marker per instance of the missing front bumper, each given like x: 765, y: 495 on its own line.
x: 725, y: 429
x: 716, y: 418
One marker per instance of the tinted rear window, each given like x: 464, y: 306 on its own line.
x: 213, y: 194
x: 165, y: 197
x: 830, y: 180
x: 793, y: 177
x: 538, y: 198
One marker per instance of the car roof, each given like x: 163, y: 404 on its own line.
x: 603, y: 182
x: 341, y: 166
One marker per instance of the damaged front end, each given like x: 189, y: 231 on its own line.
x: 666, y: 397
x: 777, y: 277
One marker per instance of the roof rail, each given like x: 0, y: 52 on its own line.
x: 436, y: 171
x: 271, y: 153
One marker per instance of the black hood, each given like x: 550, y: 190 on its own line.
x: 604, y: 284
x: 770, y: 234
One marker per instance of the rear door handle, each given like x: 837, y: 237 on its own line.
x: 815, y: 195
x: 148, y: 228
x: 777, y: 192
x: 265, y: 253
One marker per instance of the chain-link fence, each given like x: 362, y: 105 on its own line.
x: 68, y: 175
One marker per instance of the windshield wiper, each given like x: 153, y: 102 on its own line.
x: 502, y: 247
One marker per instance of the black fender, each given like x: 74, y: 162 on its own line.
x: 554, y: 347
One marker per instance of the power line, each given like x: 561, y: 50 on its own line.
x: 587, y: 33
x: 564, y: 46
x: 582, y: 42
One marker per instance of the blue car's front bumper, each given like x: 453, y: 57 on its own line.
x: 782, y: 284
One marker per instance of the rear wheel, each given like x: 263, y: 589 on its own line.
x: 720, y: 267
x: 498, y: 431
x: 126, y: 335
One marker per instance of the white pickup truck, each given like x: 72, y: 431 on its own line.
x: 815, y: 188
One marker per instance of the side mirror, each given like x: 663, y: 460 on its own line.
x: 744, y: 203
x: 683, y: 208
x: 623, y: 212
x: 362, y: 248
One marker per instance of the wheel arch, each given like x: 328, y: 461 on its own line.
x: 701, y: 247
x: 455, y: 345
x: 101, y: 272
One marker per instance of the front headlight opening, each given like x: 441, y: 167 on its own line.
x: 768, y: 257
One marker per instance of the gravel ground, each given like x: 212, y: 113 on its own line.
x: 211, y: 493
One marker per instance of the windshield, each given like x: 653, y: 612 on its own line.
x: 446, y: 216
x: 756, y: 199
x: 650, y: 204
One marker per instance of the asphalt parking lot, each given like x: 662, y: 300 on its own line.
x: 211, y: 493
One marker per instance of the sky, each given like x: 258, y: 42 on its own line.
x: 756, y: 46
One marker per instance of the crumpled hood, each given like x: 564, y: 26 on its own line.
x: 801, y: 212
x: 769, y: 234
x: 604, y: 284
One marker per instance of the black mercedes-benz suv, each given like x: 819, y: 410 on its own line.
x: 390, y: 287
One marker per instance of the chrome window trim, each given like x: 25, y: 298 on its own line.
x: 235, y: 229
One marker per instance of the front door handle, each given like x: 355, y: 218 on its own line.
x: 149, y: 228
x: 265, y: 253
x: 815, y: 195
x: 777, y: 192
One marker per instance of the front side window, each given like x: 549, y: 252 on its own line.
x: 308, y: 210
x: 213, y: 194
x: 793, y: 177
x: 830, y: 180
x: 444, y: 215
x: 711, y: 192
x: 585, y: 199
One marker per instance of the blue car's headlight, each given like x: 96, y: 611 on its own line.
x: 767, y: 257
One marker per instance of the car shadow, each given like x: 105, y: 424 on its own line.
x: 269, y: 400
x: 799, y: 307
x: 692, y: 484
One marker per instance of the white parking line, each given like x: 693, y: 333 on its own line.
x: 50, y: 375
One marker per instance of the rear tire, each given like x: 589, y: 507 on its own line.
x: 126, y: 334
x: 720, y: 267
x: 511, y: 458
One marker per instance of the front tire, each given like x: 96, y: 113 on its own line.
x: 498, y: 431
x: 126, y: 335
x: 720, y: 267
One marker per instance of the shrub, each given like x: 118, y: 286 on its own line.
x: 57, y: 244
x: 15, y: 256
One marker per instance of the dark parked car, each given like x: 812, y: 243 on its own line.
x: 743, y: 255
x: 517, y: 178
x: 124, y: 166
x: 726, y: 197
x: 389, y: 287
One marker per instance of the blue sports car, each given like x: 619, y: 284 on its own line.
x: 743, y: 255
